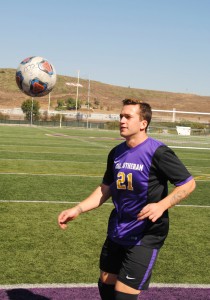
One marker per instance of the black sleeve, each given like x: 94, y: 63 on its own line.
x: 108, y: 175
x: 171, y: 167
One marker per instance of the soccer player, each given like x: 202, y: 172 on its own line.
x: 136, y: 178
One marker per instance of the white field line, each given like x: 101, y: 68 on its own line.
x: 60, y: 153
x: 76, y: 202
x: 67, y: 153
x: 185, y: 147
x: 192, y: 205
x: 72, y: 175
x: 69, y: 175
x: 52, y: 161
x: 82, y: 139
x: 44, y: 201
x: 89, y: 285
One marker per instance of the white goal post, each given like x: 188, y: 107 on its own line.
x: 175, y: 112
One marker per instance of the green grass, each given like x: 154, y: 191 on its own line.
x: 38, y: 165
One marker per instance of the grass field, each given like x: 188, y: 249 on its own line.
x: 43, y: 171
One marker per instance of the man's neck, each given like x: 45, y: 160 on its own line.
x: 135, y: 141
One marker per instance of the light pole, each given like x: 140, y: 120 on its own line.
x: 77, y: 85
x: 88, y: 102
x: 32, y: 108
x: 48, y: 104
x: 77, y: 89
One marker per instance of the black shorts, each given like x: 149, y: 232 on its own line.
x: 132, y: 264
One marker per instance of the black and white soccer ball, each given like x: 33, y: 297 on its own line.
x: 36, y: 76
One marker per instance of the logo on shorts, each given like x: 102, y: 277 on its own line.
x: 129, y: 278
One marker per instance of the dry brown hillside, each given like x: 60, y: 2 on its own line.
x: 108, y: 96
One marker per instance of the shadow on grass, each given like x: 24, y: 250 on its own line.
x: 24, y: 294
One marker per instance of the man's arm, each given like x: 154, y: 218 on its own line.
x: 97, y: 198
x: 153, y: 211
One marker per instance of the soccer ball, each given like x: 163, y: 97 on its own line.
x: 36, y: 76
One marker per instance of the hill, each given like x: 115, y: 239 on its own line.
x: 108, y: 96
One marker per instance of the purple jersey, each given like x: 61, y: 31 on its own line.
x: 138, y: 176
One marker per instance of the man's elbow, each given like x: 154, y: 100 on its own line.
x: 192, y: 185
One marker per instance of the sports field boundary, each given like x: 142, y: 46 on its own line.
x: 77, y: 202
x: 89, y: 285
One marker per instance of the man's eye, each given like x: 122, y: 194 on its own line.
x: 127, y: 117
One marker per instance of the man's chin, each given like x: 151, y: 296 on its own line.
x: 123, y: 134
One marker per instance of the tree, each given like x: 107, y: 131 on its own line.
x: 27, y: 106
x: 96, y: 102
x: 71, y: 104
x: 61, y: 104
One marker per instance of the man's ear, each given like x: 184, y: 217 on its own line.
x: 143, y: 125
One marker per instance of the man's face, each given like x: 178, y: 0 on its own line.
x: 130, y: 123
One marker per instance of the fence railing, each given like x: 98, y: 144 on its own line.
x: 161, y: 115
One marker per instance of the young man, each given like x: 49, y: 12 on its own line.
x: 136, y: 178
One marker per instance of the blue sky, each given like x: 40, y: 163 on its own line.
x: 159, y: 45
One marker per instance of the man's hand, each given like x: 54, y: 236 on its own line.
x: 68, y: 215
x: 152, y: 211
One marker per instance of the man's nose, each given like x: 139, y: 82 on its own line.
x: 123, y: 119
